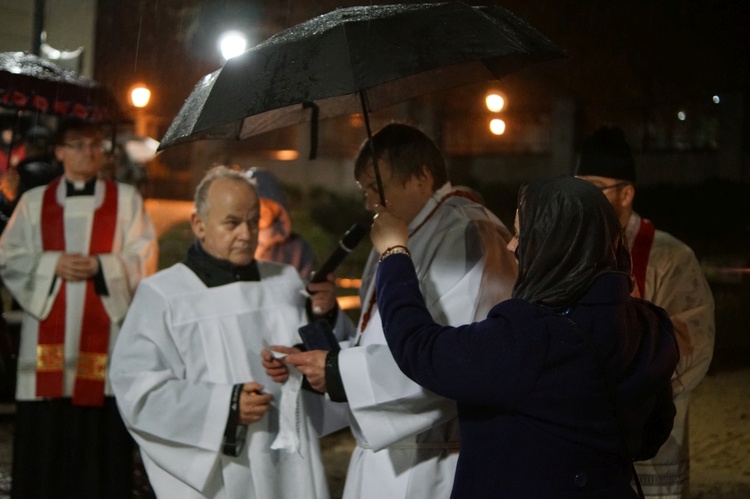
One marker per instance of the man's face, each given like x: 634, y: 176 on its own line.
x: 405, y: 200
x: 81, y: 153
x: 618, y: 193
x: 229, y: 231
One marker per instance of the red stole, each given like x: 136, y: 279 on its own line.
x: 95, y: 324
x: 640, y: 253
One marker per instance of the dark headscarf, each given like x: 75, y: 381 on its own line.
x: 568, y: 234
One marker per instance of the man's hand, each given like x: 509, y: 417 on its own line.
x: 322, y: 296
x: 312, y: 364
x: 76, y: 267
x: 254, y: 404
x: 275, y: 368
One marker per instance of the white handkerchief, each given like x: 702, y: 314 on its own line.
x: 289, y: 413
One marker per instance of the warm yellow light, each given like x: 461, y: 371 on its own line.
x: 497, y: 126
x: 349, y: 302
x: 495, y: 102
x: 285, y: 154
x: 347, y: 282
x: 140, y: 95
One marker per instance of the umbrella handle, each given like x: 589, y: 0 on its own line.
x: 313, y: 128
x: 375, y: 167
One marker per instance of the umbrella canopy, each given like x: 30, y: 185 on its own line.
x: 356, y: 59
x: 30, y: 83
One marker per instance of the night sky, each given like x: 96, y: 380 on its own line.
x: 624, y: 56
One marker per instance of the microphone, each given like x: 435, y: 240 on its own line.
x: 347, y: 243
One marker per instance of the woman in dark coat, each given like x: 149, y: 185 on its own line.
x: 564, y: 384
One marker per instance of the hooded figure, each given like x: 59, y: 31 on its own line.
x: 561, y: 387
x: 276, y: 240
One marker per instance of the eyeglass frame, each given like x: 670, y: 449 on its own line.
x: 80, y: 146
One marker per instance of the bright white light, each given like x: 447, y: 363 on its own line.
x: 681, y: 115
x: 716, y: 99
x: 232, y: 44
x: 140, y: 96
x: 495, y: 103
x: 497, y: 126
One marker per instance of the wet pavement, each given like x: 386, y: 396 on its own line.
x: 719, y: 439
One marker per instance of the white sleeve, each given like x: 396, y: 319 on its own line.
x: 177, y: 423
x: 454, y: 272
x: 27, y: 271
x: 686, y: 296
x: 386, y: 404
x: 136, y: 259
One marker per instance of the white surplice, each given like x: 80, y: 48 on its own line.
x: 675, y: 282
x: 29, y: 272
x: 183, y: 346
x: 407, y: 437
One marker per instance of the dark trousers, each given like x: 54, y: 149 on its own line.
x: 66, y: 451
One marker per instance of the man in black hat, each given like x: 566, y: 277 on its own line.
x: 668, y: 274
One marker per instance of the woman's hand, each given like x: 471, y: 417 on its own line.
x: 387, y: 230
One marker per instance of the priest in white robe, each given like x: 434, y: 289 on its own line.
x: 187, y: 371
x: 667, y: 273
x: 72, y: 255
x: 407, y: 437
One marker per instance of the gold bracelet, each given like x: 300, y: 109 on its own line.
x: 394, y: 250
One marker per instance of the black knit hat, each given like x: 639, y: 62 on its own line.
x: 606, y: 153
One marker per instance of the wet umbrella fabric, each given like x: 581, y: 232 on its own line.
x: 356, y: 59
x: 31, y: 83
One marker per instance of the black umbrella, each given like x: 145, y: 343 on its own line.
x: 31, y: 83
x: 356, y: 59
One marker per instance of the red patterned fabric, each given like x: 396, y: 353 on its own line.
x: 94, y: 341
x: 641, y: 250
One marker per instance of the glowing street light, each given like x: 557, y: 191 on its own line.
x: 232, y: 44
x: 495, y: 102
x: 140, y: 95
x: 497, y: 126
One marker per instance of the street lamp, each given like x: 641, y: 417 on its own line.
x: 497, y: 126
x: 232, y: 44
x: 495, y: 102
x: 140, y: 95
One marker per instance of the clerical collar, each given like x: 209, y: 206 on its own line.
x: 79, y: 187
x: 215, y: 272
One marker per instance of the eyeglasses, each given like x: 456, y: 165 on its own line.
x: 80, y: 146
x: 613, y: 186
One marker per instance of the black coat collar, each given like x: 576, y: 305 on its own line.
x: 215, y: 272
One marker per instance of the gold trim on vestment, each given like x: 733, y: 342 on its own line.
x: 92, y: 366
x: 49, y: 358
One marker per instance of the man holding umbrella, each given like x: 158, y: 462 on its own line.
x: 407, y: 438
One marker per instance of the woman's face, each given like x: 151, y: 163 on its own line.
x: 513, y: 244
